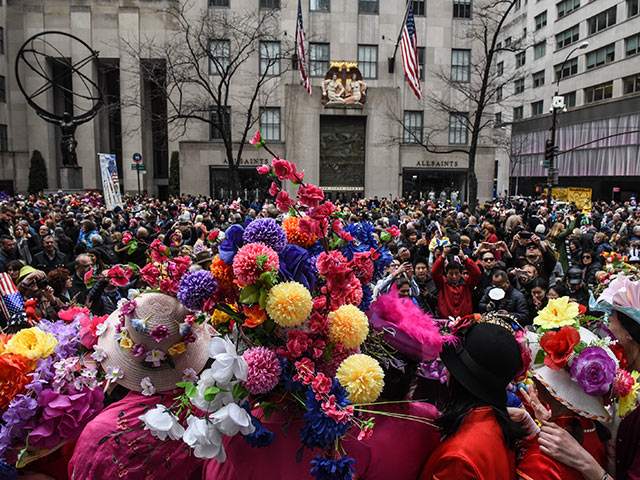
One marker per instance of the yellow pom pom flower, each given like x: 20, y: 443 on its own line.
x: 32, y: 343
x: 348, y: 326
x: 559, y: 312
x: 362, y: 377
x: 289, y: 304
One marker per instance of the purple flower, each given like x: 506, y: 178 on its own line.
x: 139, y: 350
x: 594, y: 371
x: 231, y: 243
x: 195, y: 288
x: 295, y: 266
x: 128, y: 307
x: 267, y: 232
x: 160, y: 333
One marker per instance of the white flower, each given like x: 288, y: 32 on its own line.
x: 133, y: 293
x: 101, y: 328
x: 232, y: 419
x: 227, y: 362
x: 99, y: 354
x: 113, y: 374
x: 161, y: 423
x: 189, y: 375
x: 223, y: 397
x: 155, y: 357
x: 205, y: 439
x: 147, y: 387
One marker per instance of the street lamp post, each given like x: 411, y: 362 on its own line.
x: 557, y: 104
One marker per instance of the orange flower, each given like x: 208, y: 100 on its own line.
x: 3, y: 341
x: 14, y: 369
x: 255, y: 316
x: 222, y: 272
x: 294, y: 235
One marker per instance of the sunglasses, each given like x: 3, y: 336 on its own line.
x: 586, y: 256
x: 488, y: 259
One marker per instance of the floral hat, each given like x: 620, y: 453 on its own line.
x: 622, y: 294
x: 149, y: 343
x: 576, y: 366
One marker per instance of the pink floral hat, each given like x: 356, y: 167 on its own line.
x: 150, y: 343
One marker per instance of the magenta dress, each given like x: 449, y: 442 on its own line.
x: 134, y: 455
x: 397, y: 450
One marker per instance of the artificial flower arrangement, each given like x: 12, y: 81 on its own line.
x: 597, y: 372
x: 615, y: 265
x: 290, y: 302
x: 51, y: 385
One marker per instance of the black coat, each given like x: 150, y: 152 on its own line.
x: 513, y: 302
x: 42, y: 262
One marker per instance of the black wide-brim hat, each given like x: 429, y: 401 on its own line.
x: 484, y: 361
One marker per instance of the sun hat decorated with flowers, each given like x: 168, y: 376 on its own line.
x: 576, y: 366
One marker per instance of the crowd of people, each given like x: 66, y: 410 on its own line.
x: 487, y: 287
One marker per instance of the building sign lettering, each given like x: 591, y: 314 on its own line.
x: 437, y: 163
x: 247, y: 161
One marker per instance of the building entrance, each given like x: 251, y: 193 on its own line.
x: 342, y: 156
x: 433, y: 184
x: 252, y: 184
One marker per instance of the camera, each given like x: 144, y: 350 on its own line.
x: 525, y: 235
x: 455, y: 249
x: 42, y: 283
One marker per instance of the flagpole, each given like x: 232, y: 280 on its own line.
x: 392, y: 60
x: 294, y: 60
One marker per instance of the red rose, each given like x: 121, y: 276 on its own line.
x: 559, y: 346
x: 618, y: 351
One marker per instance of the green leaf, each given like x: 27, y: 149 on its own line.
x: 385, y: 236
x: 133, y: 246
x: 190, y: 389
x: 292, y: 212
x: 267, y: 278
x: 210, y: 393
x: 268, y: 409
x: 540, y: 357
x: 239, y: 391
x: 580, y: 347
x: 250, y: 294
x: 133, y: 266
x: 263, y: 298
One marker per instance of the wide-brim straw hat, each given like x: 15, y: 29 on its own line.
x: 160, y: 309
x: 559, y: 384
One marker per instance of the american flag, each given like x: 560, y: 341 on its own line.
x: 302, y: 56
x: 409, y: 45
x: 113, y: 173
x: 10, y: 300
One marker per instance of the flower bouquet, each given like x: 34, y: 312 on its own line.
x: 290, y: 301
x: 50, y: 387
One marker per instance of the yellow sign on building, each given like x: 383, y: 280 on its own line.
x: 578, y: 195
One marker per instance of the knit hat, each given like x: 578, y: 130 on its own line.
x: 148, y: 337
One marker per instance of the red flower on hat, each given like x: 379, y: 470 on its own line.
x: 559, y: 346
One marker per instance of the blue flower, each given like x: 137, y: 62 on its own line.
x: 294, y: 266
x: 367, y: 297
x: 261, y: 437
x: 139, y: 325
x: 363, y: 232
x: 327, y: 469
x: 231, y: 243
x: 287, y: 377
x: 321, y: 430
x: 8, y: 472
x: 352, y: 248
x: 316, y: 248
x: 266, y: 231
x: 383, y: 261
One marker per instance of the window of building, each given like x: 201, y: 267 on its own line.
x: 458, y: 128
x: 518, y: 5
x: 218, y: 122
x: 367, y: 6
x: 632, y: 8
x: 570, y: 99
x: 498, y: 119
x: 319, y: 5
x: 631, y: 84
x: 602, y: 20
x: 270, y: 58
x: 269, y: 3
x: 1, y: 40
x: 270, y: 123
x: 570, y: 68
x: 521, y: 59
x: 518, y: 113
x: 598, y: 92
x: 499, y: 46
x: 3, y: 89
x: 421, y: 51
x: 537, y: 108
x: 538, y: 79
x: 318, y: 59
x: 566, y: 7
x: 461, y: 8
x: 632, y: 45
x: 540, y: 49
x: 499, y: 93
x: 460, y: 65
x: 218, y: 3
x: 518, y: 85
x: 601, y: 56
x: 541, y: 20
x: 569, y: 36
x: 500, y: 69
x: 507, y: 41
x: 412, y: 131
x: 368, y: 60
x: 219, y: 56
x: 419, y: 7
x: 4, y: 139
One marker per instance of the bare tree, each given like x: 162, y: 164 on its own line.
x: 205, y: 66
x: 477, y: 91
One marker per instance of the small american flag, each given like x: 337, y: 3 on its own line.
x: 409, y: 45
x: 302, y: 56
x: 10, y: 300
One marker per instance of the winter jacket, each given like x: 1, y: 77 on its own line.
x: 455, y: 300
x: 513, y: 302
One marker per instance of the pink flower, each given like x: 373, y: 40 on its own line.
x: 139, y: 350
x: 213, y: 235
x: 336, y: 225
x: 70, y: 313
x: 312, y: 227
x: 333, y: 410
x: 393, y: 230
x: 283, y: 201
x: 365, y: 433
x: 346, y: 236
x: 160, y: 333
x: 321, y: 384
x: 158, y: 251
x: 88, y: 329
x: 182, y: 264
x: 264, y: 169
x: 252, y: 260
x: 87, y: 276
x: 273, y: 189
x: 298, y: 342
x: 309, y: 195
x: 318, y: 323
x: 126, y: 237
x: 256, y: 141
x: 119, y: 276
x: 168, y: 286
x: 149, y: 274
x: 284, y: 170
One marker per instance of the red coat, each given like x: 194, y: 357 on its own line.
x: 477, y: 451
x: 455, y: 300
